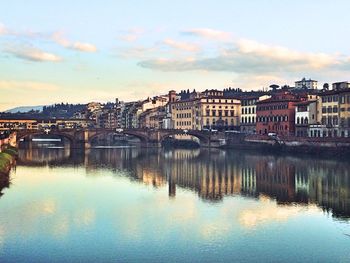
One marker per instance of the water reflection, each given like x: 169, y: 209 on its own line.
x: 214, y: 174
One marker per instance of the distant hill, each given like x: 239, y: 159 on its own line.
x: 25, y: 109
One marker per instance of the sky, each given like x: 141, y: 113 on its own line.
x: 81, y: 51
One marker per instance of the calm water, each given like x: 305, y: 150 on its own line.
x: 139, y: 205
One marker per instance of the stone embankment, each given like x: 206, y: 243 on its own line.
x: 308, y: 145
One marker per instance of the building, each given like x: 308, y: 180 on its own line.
x: 107, y: 118
x: 341, y: 85
x: 131, y: 113
x: 305, y: 115
x: 153, y: 118
x: 277, y: 114
x: 335, y: 111
x: 248, y: 112
x: 306, y: 84
x: 119, y: 108
x: 206, y: 110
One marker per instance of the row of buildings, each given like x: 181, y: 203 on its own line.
x: 302, y: 110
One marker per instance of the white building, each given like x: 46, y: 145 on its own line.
x: 248, y: 112
x: 305, y: 115
x: 306, y: 83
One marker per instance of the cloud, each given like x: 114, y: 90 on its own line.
x: 283, y: 54
x: 181, y: 45
x: 250, y: 57
x: 132, y: 34
x: 59, y: 38
x: 3, y: 29
x: 85, y: 47
x: 32, y: 54
x: 14, y: 85
x: 208, y: 34
x: 137, y: 52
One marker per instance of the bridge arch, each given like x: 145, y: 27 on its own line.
x: 143, y: 137
x: 203, y: 138
x: 23, y: 135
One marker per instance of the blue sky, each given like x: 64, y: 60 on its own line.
x: 54, y: 51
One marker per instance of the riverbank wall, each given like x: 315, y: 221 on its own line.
x: 301, y: 145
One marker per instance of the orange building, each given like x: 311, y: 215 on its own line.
x: 277, y: 114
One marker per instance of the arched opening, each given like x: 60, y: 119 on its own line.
x: 188, y: 139
x: 116, y: 139
x: 43, y: 139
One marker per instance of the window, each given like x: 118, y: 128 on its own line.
x: 342, y: 99
x: 335, y: 120
x: 342, y: 121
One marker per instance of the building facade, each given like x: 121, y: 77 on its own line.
x: 277, y: 114
x: 208, y: 110
x: 306, y: 84
x: 248, y: 113
x: 305, y: 115
x: 335, y: 111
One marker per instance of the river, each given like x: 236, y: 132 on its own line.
x: 156, y: 205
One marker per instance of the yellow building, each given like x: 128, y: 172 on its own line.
x: 335, y: 112
x: 207, y: 110
x: 344, y: 113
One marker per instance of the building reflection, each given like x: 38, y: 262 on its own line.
x: 215, y: 174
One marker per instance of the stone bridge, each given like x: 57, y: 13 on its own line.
x: 80, y: 138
